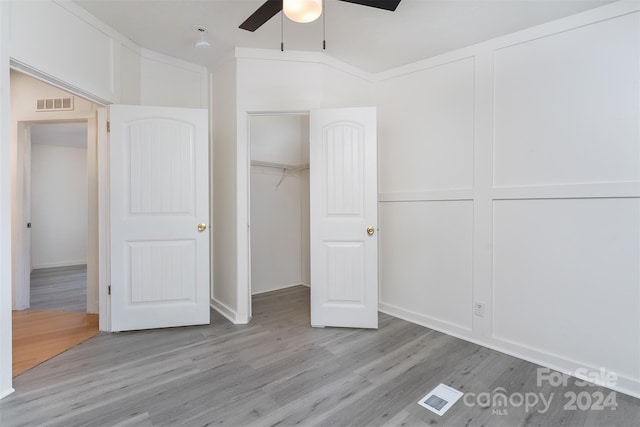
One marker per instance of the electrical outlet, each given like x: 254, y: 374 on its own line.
x: 478, y: 309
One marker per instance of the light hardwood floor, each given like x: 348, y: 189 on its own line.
x: 41, y: 335
x: 57, y: 320
x: 280, y: 371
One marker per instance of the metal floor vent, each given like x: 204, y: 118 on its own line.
x: 54, y: 104
x: 440, y: 399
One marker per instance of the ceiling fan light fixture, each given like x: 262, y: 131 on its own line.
x: 302, y: 11
x: 202, y: 42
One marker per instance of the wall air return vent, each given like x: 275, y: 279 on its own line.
x: 54, y: 104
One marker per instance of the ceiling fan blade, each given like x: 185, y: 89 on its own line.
x: 265, y: 12
x: 379, y: 4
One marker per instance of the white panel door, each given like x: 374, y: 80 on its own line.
x: 159, y: 204
x: 344, y: 196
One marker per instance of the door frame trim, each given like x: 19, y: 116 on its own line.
x: 102, y: 176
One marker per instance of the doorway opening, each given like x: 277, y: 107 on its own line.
x: 54, y: 221
x: 279, y: 201
x: 58, y: 226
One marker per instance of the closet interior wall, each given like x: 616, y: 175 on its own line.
x: 279, y: 201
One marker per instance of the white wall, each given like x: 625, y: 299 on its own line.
x: 270, y: 81
x: 60, y: 41
x: 224, y: 289
x: 510, y: 176
x: 59, y: 205
x: 279, y: 206
x: 63, y: 44
x: 169, y: 82
x: 66, y: 42
x: 5, y: 208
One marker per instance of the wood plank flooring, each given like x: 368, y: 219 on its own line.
x: 59, y: 288
x: 41, y: 335
x: 280, y: 371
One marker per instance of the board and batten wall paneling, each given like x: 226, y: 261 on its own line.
x: 566, y: 279
x: 59, y: 205
x: 566, y: 219
x: 566, y: 107
x: 277, y: 85
x: 169, y: 82
x: 536, y: 135
x: 426, y: 260
x: 130, y: 74
x: 426, y: 179
x: 51, y: 39
x: 426, y: 129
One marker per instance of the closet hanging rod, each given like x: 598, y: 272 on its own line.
x: 280, y: 165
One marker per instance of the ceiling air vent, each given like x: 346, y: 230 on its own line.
x: 54, y: 104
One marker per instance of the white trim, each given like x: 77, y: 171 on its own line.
x: 21, y: 245
x: 588, y: 17
x: 624, y: 384
x: 4, y: 393
x: 427, y: 195
x: 104, y: 222
x: 243, y: 202
x: 569, y: 191
x: 279, y: 288
x: 225, y: 311
x: 449, y: 328
x: 60, y: 264
x: 276, y: 55
x: 87, y: 17
x: 243, y: 216
x: 50, y: 80
x: 303, y: 56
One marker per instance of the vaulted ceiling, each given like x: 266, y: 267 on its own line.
x: 371, y: 39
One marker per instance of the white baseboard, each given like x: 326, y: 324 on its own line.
x: 5, y: 393
x: 224, y: 310
x: 58, y: 264
x: 278, y: 288
x: 624, y: 384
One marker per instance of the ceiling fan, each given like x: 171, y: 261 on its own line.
x: 271, y: 7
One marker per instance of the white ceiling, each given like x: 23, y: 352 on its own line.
x: 61, y: 134
x: 371, y: 39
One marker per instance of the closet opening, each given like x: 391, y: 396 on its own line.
x: 279, y: 201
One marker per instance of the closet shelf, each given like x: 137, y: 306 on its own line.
x: 292, y: 168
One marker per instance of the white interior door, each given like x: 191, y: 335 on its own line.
x: 344, y: 217
x: 159, y: 198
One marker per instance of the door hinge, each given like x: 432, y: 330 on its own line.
x: 109, y: 290
x: 108, y: 126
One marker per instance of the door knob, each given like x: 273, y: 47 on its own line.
x: 202, y: 227
x: 370, y: 230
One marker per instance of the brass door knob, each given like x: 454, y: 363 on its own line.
x: 370, y: 230
x: 202, y: 227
